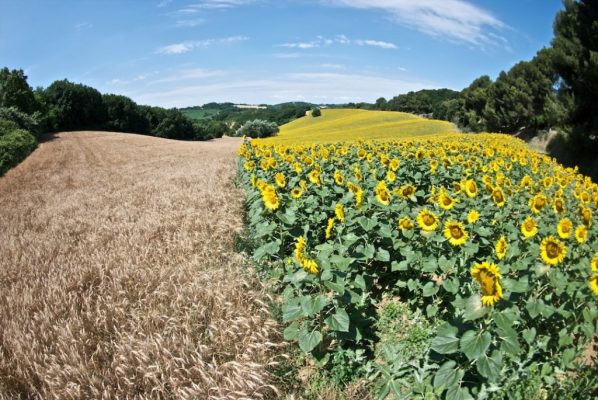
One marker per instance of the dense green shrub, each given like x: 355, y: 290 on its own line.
x: 258, y: 129
x: 22, y: 120
x: 14, y: 147
x: 316, y: 112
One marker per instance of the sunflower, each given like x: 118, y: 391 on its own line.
x: 339, y: 211
x: 329, y: 228
x: 314, y: 177
x: 471, y: 188
x: 537, y: 203
x: 338, y: 178
x: 552, y: 251
x: 406, y: 223
x: 455, y: 233
x: 564, y: 228
x: 296, y: 192
x: 382, y: 193
x: 280, y: 179
x: 405, y: 191
x: 249, y: 165
x: 394, y: 164
x: 586, y: 216
x: 427, y: 220
x: 581, y: 234
x: 594, y: 283
x: 488, y: 275
x: 559, y: 205
x: 358, y: 197
x: 498, y: 196
x: 445, y: 201
x: 501, y: 247
x: 529, y: 227
x: 391, y: 176
x: 307, y: 263
x: 270, y: 198
x: 473, y: 216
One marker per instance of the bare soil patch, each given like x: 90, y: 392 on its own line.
x: 118, y: 277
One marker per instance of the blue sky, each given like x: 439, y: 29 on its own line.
x: 177, y: 53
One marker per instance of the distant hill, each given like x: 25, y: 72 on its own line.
x: 352, y: 124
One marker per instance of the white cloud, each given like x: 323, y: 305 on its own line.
x: 163, y: 3
x: 83, y: 25
x: 376, y: 43
x: 196, y: 7
x: 187, y: 75
x: 288, y: 55
x: 185, y: 47
x: 190, y: 23
x: 456, y: 20
x: 329, y: 87
x: 177, y: 48
x: 338, y: 39
x: 301, y: 45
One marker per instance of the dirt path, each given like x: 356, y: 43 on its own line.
x: 118, y: 276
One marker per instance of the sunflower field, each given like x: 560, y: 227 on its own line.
x: 495, y: 246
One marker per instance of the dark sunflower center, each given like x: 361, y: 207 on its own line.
x: 428, y: 219
x: 456, y: 232
x: 447, y: 201
x: 488, y: 283
x: 553, y: 250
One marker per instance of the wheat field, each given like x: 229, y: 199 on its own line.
x: 118, y: 277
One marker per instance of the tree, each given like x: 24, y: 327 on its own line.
x: 74, y: 106
x: 176, y: 126
x: 575, y: 60
x: 258, y: 129
x: 16, y: 92
x: 316, y: 112
x: 124, y: 115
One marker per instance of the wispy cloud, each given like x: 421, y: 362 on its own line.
x: 163, y: 3
x: 185, y: 47
x: 83, y: 25
x: 376, y: 43
x: 198, y: 6
x: 339, y: 40
x: 319, y: 87
x: 456, y: 20
x: 288, y: 55
x: 193, y: 74
x: 190, y: 23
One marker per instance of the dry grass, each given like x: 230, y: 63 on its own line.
x: 118, y: 278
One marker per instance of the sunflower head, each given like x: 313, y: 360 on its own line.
x: 552, y: 251
x: 382, y: 193
x: 594, y: 263
x: 581, y: 234
x: 338, y: 178
x: 537, y: 203
x: 296, y: 192
x: 455, y: 233
x: 270, y: 199
x: 498, y: 196
x: 564, y: 228
x: 488, y: 276
x: 427, y: 220
x: 339, y: 211
x: 558, y: 205
x: 473, y: 216
x: 471, y: 188
x: 501, y: 247
x: 594, y: 283
x: 529, y: 227
x: 280, y: 179
x: 406, y: 223
x: 391, y: 176
x: 445, y: 201
x: 329, y: 228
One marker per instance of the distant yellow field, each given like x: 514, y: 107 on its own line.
x: 352, y: 124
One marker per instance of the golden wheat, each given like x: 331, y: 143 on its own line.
x: 118, y: 278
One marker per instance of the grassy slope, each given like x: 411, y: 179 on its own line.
x: 351, y: 124
x: 199, y: 114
